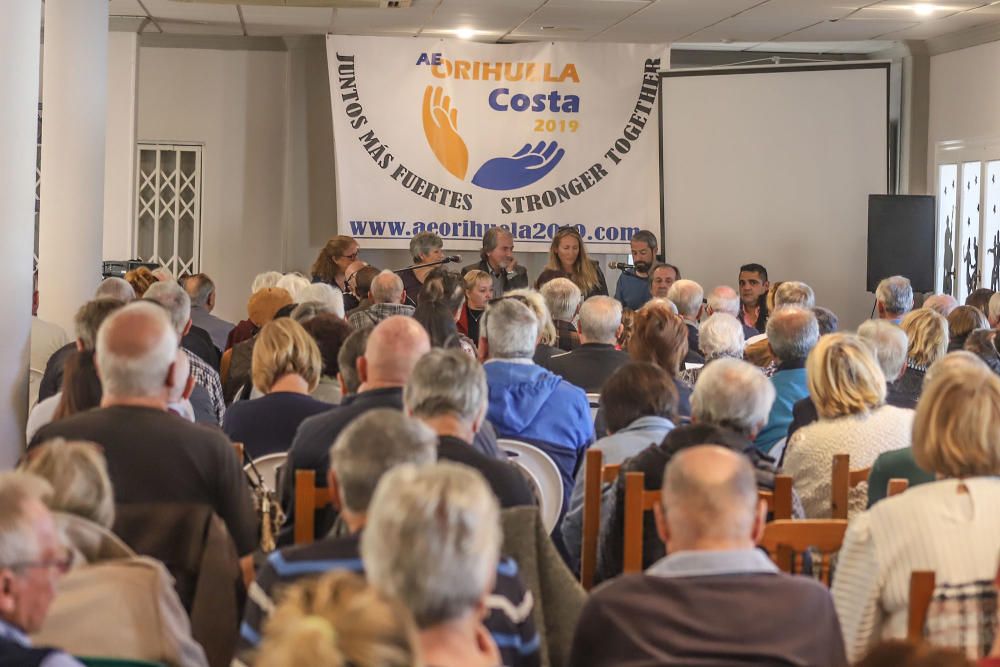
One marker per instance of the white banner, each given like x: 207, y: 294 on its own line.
x: 455, y: 137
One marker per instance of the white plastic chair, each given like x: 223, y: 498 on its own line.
x: 595, y: 404
x: 268, y: 466
x: 544, y: 475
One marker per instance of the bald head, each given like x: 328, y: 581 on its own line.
x: 115, y: 288
x: 394, y: 347
x: 709, y: 500
x: 724, y: 299
x: 387, y: 287
x: 136, y: 347
x: 942, y: 303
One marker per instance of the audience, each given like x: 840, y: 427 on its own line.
x: 729, y: 406
x: 827, y: 320
x: 425, y: 247
x: 942, y: 304
x: 961, y: 322
x: 980, y: 300
x: 46, y: 339
x: 633, y: 286
x: 992, y: 311
x: 687, y: 295
x: 848, y: 389
x: 660, y: 337
x: 563, y: 299
x: 948, y: 526
x: 152, y: 455
x: 590, y: 365
x: 661, y: 278
x: 983, y: 343
x: 754, y: 288
x: 927, y: 333
x: 245, y: 329
x: 328, y: 298
x: 294, y: 284
x: 720, y: 336
x: 433, y: 542
x: 442, y: 300
x: 894, y: 298
x: 330, y: 333
x: 338, y: 619
x: 387, y: 298
x: 496, y: 260
x: 237, y: 363
x: 31, y: 561
x: 177, y: 303
x: 286, y: 369
x: 332, y: 262
x: 639, y: 406
x: 725, y: 299
x: 201, y: 289
x: 115, y: 288
x: 714, y: 598
x: 140, y: 279
x: 890, y: 345
x: 527, y: 402
x: 478, y: 292
x: 447, y: 391
x: 347, y: 361
x: 391, y: 352
x: 792, y: 332
x: 793, y: 293
x: 147, y: 616
x: 568, y: 259
x: 359, y: 283
x: 545, y: 348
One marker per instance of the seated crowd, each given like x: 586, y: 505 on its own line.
x: 411, y: 468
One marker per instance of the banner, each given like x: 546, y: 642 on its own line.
x: 455, y: 137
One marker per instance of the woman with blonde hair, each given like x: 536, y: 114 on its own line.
x: 659, y: 336
x: 547, y: 335
x: 332, y: 262
x: 338, y: 620
x: 568, y: 259
x: 848, y: 388
x: 961, y: 322
x: 947, y: 526
x: 927, y: 332
x: 286, y: 368
x: 131, y: 610
x: 478, y: 292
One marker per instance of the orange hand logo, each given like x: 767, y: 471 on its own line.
x: 441, y: 129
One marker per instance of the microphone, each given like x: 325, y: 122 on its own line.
x: 453, y: 258
x: 621, y: 266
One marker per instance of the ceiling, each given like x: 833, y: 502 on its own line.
x: 831, y: 26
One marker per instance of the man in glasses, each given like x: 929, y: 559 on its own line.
x: 353, y: 296
x: 31, y: 560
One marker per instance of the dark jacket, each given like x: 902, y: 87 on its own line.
x: 507, y: 483
x: 198, y: 341
x: 652, y: 461
x: 509, y: 281
x: 568, y: 339
x: 51, y: 383
x: 907, y: 389
x: 589, y: 366
x: 694, y: 355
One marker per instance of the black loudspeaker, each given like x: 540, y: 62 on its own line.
x: 901, y: 239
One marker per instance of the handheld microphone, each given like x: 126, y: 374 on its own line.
x: 621, y: 266
x: 453, y: 258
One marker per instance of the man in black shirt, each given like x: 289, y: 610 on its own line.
x: 155, y: 456
x: 589, y: 365
x: 447, y: 391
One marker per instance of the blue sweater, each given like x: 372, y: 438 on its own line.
x: 790, y: 386
x: 529, y: 403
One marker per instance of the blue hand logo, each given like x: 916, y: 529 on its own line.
x: 524, y: 168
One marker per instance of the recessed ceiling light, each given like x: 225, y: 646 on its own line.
x: 465, y: 33
x: 923, y: 9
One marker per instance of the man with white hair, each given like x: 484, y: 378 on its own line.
x: 945, y: 303
x: 792, y: 332
x: 729, y: 407
x: 894, y: 298
x: 724, y: 299
x: 153, y: 456
x: 527, y: 402
x: 703, y: 602
x: 589, y: 365
x: 178, y: 306
x: 201, y: 288
x: 447, y: 392
x: 688, y: 296
x: 388, y: 299
x: 32, y: 558
x: 563, y: 298
x: 391, y: 352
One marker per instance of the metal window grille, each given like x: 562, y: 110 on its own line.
x: 38, y: 187
x: 168, y: 206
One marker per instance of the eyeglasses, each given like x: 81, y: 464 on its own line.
x: 352, y: 256
x: 61, y: 564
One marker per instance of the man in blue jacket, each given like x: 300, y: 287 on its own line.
x: 527, y: 402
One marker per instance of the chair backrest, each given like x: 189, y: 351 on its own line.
x: 897, y: 485
x: 268, y: 466
x: 843, y: 480
x: 637, y: 501
x: 116, y: 662
x: 594, y: 401
x: 596, y: 475
x: 542, y: 472
x: 779, y: 501
x: 922, y: 584
x: 786, y: 542
x: 308, y: 499
x: 239, y: 451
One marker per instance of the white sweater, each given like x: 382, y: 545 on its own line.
x: 809, y: 455
x: 929, y: 527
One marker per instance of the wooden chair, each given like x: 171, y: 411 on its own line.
x: 637, y: 502
x: 922, y: 584
x: 308, y: 499
x: 596, y: 475
x: 594, y: 401
x: 897, y: 485
x: 844, y: 479
x: 239, y: 451
x: 787, y: 541
x: 779, y: 501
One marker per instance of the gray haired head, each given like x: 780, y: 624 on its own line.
x: 895, y: 294
x: 446, y: 382
x: 792, y: 333
x: 511, y: 329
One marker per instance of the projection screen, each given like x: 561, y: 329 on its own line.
x: 774, y: 165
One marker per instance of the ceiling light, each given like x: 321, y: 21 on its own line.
x: 923, y: 9
x: 465, y: 33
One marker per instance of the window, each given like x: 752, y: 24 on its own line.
x: 168, y: 206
